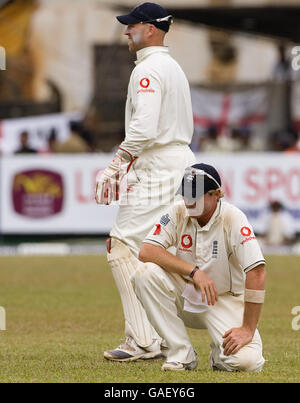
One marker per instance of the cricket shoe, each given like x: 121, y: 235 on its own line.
x: 130, y: 351
x: 213, y: 352
x: 179, y: 366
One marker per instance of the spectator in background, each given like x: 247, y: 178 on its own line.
x: 237, y: 140
x: 283, y: 69
x: 240, y: 137
x: 24, y: 145
x: 279, y: 226
x: 75, y: 143
x: 53, y: 145
x: 52, y: 141
x: 91, y: 128
x: 208, y: 142
x: 294, y: 143
x: 285, y: 140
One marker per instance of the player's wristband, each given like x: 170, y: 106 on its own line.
x: 191, y: 275
x: 254, y: 296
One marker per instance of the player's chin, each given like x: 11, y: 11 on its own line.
x: 190, y: 203
x: 190, y: 206
x: 191, y: 209
x: 195, y: 210
x: 131, y: 46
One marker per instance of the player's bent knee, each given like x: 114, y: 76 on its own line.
x: 150, y: 276
x: 247, y: 359
x: 146, y: 272
x: 146, y: 275
x: 117, y: 249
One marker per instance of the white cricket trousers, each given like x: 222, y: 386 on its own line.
x: 152, y: 183
x: 160, y: 294
x: 151, y: 186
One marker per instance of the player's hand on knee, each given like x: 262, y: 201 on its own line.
x: 235, y: 339
x: 206, y: 286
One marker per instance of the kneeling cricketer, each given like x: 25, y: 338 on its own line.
x: 216, y: 280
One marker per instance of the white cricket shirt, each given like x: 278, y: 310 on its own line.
x: 225, y: 248
x: 158, y: 106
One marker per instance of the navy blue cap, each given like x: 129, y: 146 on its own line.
x: 148, y: 13
x: 198, y: 180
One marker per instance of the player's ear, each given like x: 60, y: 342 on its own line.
x: 219, y: 193
x: 152, y: 30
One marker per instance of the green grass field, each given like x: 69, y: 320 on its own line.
x: 63, y: 312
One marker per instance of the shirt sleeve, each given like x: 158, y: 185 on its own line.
x: 146, y: 95
x: 164, y: 233
x: 244, y: 243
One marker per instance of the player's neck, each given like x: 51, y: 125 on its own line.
x: 154, y: 43
x: 205, y: 217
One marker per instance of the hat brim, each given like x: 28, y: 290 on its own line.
x: 127, y: 19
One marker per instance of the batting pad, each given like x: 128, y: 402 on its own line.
x: 123, y: 264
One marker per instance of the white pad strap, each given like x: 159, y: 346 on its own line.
x: 123, y: 264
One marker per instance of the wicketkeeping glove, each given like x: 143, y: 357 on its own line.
x: 108, y: 182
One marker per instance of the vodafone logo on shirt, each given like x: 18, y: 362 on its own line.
x: 245, y: 231
x: 186, y: 241
x: 145, y: 82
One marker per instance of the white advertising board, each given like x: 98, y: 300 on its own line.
x: 55, y: 193
x: 52, y: 194
x: 252, y: 180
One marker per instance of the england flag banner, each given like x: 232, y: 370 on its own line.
x: 226, y: 110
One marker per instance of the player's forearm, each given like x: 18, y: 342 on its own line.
x: 164, y: 259
x: 135, y: 143
x: 255, y: 280
x: 251, y: 315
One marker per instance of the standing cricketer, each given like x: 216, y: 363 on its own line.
x: 216, y: 280
x: 152, y: 159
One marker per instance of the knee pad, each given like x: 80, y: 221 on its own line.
x: 123, y: 266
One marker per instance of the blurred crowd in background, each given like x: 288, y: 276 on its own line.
x: 80, y: 140
x: 72, y: 56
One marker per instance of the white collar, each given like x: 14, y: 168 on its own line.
x: 149, y: 50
